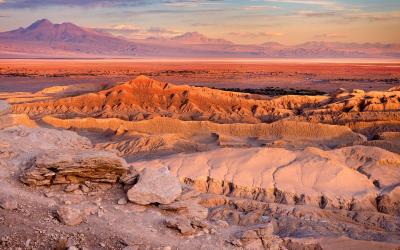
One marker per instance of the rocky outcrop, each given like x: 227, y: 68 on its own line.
x: 48, y: 156
x: 389, y: 201
x: 259, y: 236
x: 155, y: 185
x: 145, y: 98
x: 56, y: 167
x: 387, y: 140
x: 360, y: 101
x: 390, y: 136
x: 365, y: 112
x: 20, y: 145
x: 348, y: 178
x: 331, y: 135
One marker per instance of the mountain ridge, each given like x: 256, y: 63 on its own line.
x: 57, y: 40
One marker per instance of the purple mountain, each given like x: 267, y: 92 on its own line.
x: 45, y: 39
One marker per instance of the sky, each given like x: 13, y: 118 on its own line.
x: 246, y: 22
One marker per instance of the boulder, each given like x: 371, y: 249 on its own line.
x: 74, y: 166
x: 191, y: 208
x: 183, y: 225
x: 122, y: 201
x: 70, y: 216
x: 155, y: 185
x: 73, y: 215
x: 260, y: 235
x: 8, y: 204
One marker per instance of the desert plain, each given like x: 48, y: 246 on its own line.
x: 122, y: 154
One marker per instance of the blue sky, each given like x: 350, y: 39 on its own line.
x: 253, y: 21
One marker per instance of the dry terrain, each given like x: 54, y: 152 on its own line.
x: 33, y: 75
x: 145, y: 155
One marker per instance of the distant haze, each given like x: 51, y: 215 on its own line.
x: 45, y: 39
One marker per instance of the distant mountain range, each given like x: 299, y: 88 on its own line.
x: 44, y: 39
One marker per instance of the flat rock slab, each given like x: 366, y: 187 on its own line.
x: 75, y: 166
x: 341, y: 178
x: 155, y: 186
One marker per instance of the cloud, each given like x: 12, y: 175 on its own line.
x: 350, y: 15
x: 388, y: 16
x: 307, y: 13
x: 330, y: 36
x: 324, y: 4
x: 202, y: 24
x: 132, y: 31
x: 304, y: 2
x: 44, y: 3
x: 158, y: 31
x: 256, y: 34
x: 259, y: 7
x: 190, y: 3
x: 92, y: 3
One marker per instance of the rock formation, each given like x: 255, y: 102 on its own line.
x: 227, y: 170
x: 155, y: 186
x: 54, y: 167
x: 70, y: 216
x: 367, y: 113
x: 347, y: 178
x: 144, y: 98
x: 331, y: 135
x: 55, y: 157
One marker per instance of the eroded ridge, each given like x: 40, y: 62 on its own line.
x: 145, y: 98
x: 146, y: 163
